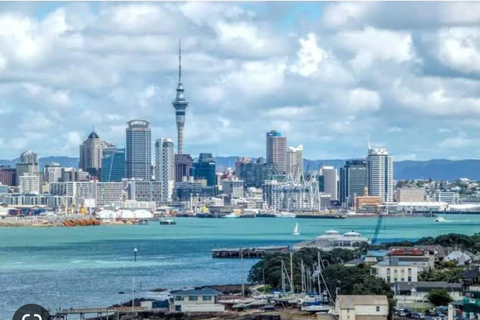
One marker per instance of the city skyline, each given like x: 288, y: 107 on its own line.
x: 302, y: 69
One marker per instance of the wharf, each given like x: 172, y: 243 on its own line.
x: 248, y: 253
x: 99, y: 312
x: 319, y: 216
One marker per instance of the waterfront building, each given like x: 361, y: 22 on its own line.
x: 103, y: 193
x: 188, y: 190
x: 52, y: 201
x: 360, y: 307
x: 138, y: 150
x: 180, y: 104
x: 276, y: 151
x: 380, y: 174
x: 353, y: 179
x: 8, y: 176
x: 330, y: 179
x: 410, y: 195
x: 422, y: 206
x: 113, y: 165
x: 447, y: 197
x: 204, y: 168
x: 415, y: 256
x: 149, y: 191
x: 91, y: 154
x: 253, y: 173
x: 164, y: 166
x: 3, y: 188
x: 183, y: 167
x: 52, y: 172
x: 366, y: 201
x: 233, y: 187
x: 29, y: 183
x: 196, y: 300
x: 294, y: 161
x: 333, y: 240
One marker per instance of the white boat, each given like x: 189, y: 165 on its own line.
x: 285, y: 214
x: 322, y: 308
x: 440, y: 219
x: 231, y: 215
x: 296, y: 231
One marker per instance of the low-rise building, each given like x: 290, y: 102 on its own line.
x: 392, y: 270
x: 361, y: 307
x: 414, y: 294
x: 332, y: 239
x: 414, y: 256
x: 410, y: 195
x: 196, y: 300
x: 447, y: 196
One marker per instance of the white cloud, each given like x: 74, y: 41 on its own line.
x: 362, y: 99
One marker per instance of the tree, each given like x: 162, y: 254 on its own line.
x: 439, y: 297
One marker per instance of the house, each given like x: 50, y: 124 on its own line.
x: 197, y: 300
x: 461, y: 258
x: 414, y: 294
x: 357, y: 307
x: 470, y: 277
x: 392, y: 270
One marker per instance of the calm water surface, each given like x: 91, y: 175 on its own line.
x: 89, y: 266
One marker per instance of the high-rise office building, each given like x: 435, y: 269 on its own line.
x: 380, y: 174
x: 330, y: 179
x: 183, y: 167
x: 204, y: 168
x: 139, y: 150
x: 91, y: 154
x: 180, y: 104
x: 28, y: 166
x: 294, y: 164
x: 276, y: 151
x: 353, y: 180
x: 164, y: 166
x: 8, y: 176
x: 52, y: 172
x: 30, y: 183
x: 113, y: 165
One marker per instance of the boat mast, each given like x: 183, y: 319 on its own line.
x: 291, y: 272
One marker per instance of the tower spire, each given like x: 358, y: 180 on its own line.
x: 179, y: 61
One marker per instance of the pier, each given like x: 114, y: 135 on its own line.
x: 62, y: 314
x: 251, y: 253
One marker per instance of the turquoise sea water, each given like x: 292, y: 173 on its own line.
x: 89, y: 266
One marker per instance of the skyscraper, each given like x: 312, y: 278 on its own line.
x: 183, y: 167
x: 113, y: 165
x: 28, y: 166
x: 276, y: 151
x: 91, y: 154
x: 380, y: 174
x: 180, y: 104
x: 294, y: 164
x: 52, y: 172
x: 204, y: 168
x: 330, y: 181
x: 164, y: 166
x: 139, y: 150
x: 353, y: 179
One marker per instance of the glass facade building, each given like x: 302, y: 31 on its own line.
x: 204, y: 168
x: 113, y: 165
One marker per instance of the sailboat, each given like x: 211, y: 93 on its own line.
x: 296, y: 231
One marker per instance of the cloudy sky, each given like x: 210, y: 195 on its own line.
x: 327, y: 75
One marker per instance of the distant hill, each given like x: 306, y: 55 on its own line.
x: 437, y: 169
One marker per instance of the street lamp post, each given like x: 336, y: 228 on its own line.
x: 133, y: 278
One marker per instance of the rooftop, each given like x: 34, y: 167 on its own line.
x: 198, y: 291
x: 426, y: 286
x: 349, y: 302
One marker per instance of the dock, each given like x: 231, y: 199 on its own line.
x: 63, y: 314
x: 248, y: 253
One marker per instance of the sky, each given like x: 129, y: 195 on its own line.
x: 330, y: 76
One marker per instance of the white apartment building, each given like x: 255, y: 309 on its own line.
x: 29, y: 183
x: 150, y: 191
x: 165, y: 166
x: 104, y: 193
x: 391, y: 270
x: 380, y: 174
x: 294, y: 164
x: 330, y: 179
x: 233, y: 187
x: 410, y: 195
x: 360, y: 307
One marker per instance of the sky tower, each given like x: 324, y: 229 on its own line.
x: 180, y: 104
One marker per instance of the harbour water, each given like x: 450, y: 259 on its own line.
x: 89, y: 266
